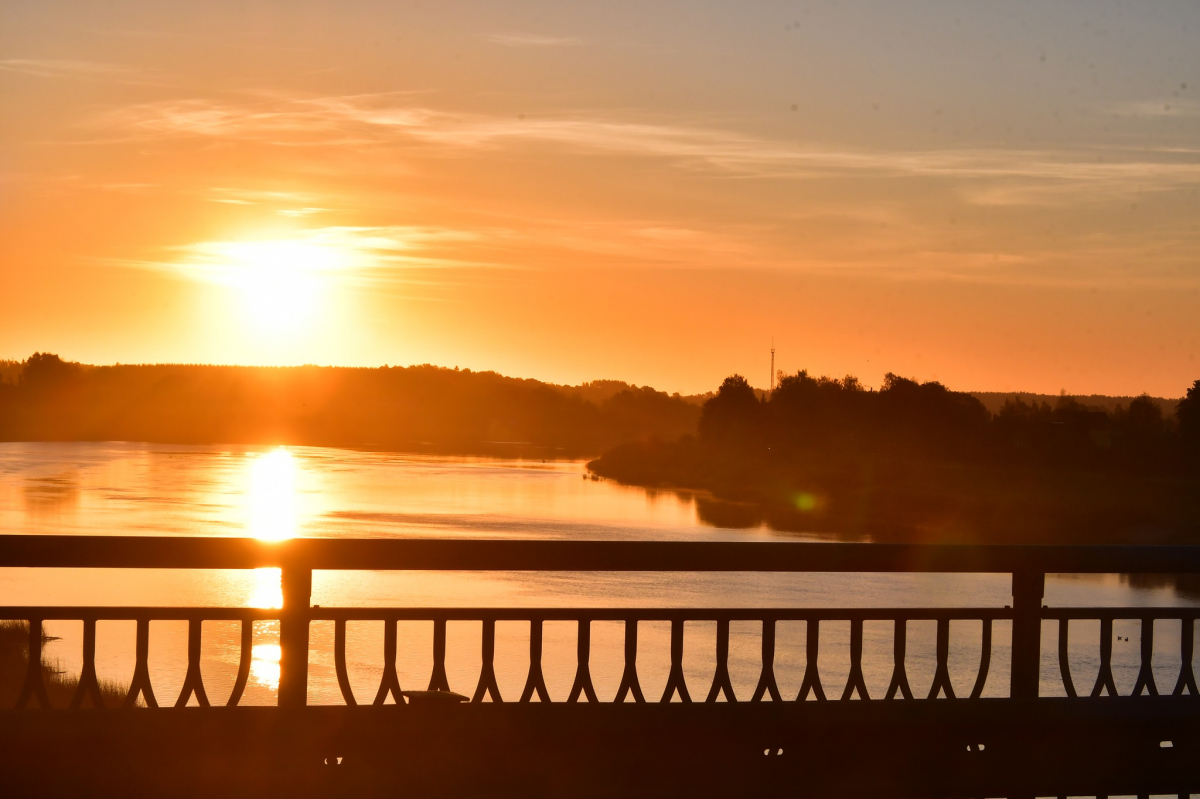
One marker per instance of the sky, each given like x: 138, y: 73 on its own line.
x: 996, y: 195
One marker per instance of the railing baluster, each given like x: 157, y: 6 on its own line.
x: 244, y: 661
x: 855, y: 681
x: 87, y: 691
x: 389, y: 683
x: 487, y: 673
x: 1064, y: 662
x: 985, y: 659
x: 766, y: 678
x: 675, y: 679
x: 535, y: 682
x: 34, y: 686
x: 1028, y: 589
x: 583, y: 672
x: 1145, y: 678
x: 295, y: 581
x: 437, y: 679
x: 899, y: 673
x: 193, y: 683
x: 1187, y: 677
x: 1104, y: 679
x: 141, y: 669
x: 941, y: 675
x: 812, y: 674
x: 629, y: 678
x: 89, y: 684
x: 339, y: 662
x: 721, y: 682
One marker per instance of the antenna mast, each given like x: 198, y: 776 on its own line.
x: 772, y: 391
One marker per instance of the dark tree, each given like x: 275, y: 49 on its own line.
x: 45, y: 370
x: 929, y: 418
x: 809, y: 413
x: 733, y: 415
x: 1187, y: 413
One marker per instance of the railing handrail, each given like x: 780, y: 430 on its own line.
x: 196, y: 552
x: 591, y: 613
x: 298, y: 558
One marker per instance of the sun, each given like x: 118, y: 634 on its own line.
x: 279, y: 282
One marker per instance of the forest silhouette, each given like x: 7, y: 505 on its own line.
x: 927, y: 420
x: 919, y: 461
x: 417, y: 407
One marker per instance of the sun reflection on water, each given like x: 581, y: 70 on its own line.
x: 264, y: 665
x: 273, y: 512
x: 267, y: 591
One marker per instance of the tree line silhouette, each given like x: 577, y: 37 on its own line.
x: 418, y: 407
x: 919, y: 461
x: 927, y: 420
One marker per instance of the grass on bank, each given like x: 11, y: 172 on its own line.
x: 14, y: 663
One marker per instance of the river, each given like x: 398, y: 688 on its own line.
x: 276, y: 492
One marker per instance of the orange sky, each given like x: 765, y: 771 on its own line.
x: 995, y: 197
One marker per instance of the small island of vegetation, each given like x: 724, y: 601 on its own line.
x: 919, y: 462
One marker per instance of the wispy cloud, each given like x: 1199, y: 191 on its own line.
x: 1162, y: 108
x: 300, y: 212
x: 531, y: 40
x: 301, y: 202
x: 342, y: 254
x: 391, y: 119
x: 1032, y: 198
x: 58, y: 68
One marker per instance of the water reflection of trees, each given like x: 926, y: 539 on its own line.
x: 1184, y: 585
x: 50, y: 494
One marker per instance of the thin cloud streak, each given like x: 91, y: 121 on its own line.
x: 1163, y: 108
x: 377, y: 119
x: 346, y: 255
x: 531, y: 40
x: 388, y: 256
x: 61, y: 68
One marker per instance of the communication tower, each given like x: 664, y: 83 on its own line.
x: 772, y: 391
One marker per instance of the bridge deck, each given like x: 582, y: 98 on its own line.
x: 1046, y: 747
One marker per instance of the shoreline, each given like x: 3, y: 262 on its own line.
x: 916, y: 501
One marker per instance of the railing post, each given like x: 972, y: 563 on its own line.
x: 1028, y: 588
x: 293, y: 635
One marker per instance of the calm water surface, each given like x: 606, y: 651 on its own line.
x: 274, y: 493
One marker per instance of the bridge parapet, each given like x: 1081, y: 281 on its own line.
x: 299, y: 557
x: 1172, y: 705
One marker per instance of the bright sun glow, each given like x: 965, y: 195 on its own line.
x: 273, y: 512
x: 280, y: 282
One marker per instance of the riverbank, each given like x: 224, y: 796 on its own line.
x: 888, y: 498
